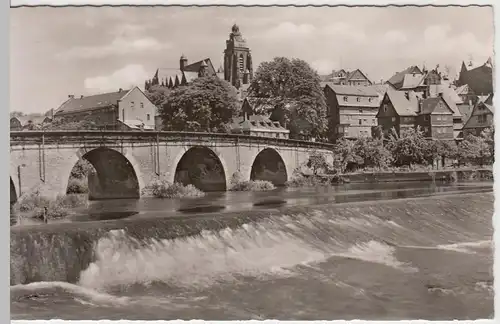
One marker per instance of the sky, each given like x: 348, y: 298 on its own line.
x: 55, y: 52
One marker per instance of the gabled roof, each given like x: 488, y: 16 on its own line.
x: 397, y: 79
x: 402, y: 105
x: 257, y: 123
x: 411, y: 81
x: 195, y: 67
x: 479, y: 79
x: 24, y: 120
x: 352, y: 73
x: 348, y: 90
x: 91, y: 102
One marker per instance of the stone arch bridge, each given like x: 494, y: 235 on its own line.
x: 126, y: 162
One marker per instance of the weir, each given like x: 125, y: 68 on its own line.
x: 65, y: 251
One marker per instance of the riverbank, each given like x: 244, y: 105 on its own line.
x: 450, y: 175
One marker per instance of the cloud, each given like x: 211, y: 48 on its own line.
x: 119, y: 46
x: 126, y: 77
x: 436, y: 34
x: 344, y: 31
x: 287, y: 30
x: 324, y: 66
x: 395, y: 36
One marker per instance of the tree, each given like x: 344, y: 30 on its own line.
x: 157, y: 94
x: 345, y: 157
x: 317, y: 162
x: 62, y: 124
x: 474, y: 149
x: 489, y: 137
x: 439, y: 149
x: 17, y: 114
x: 372, y: 153
x: 206, y: 104
x: 297, y: 99
x: 407, y: 148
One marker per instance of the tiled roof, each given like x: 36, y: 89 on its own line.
x: 195, y: 67
x: 479, y: 79
x: 429, y: 104
x: 256, y: 123
x: 362, y: 91
x: 24, y: 120
x: 402, y: 105
x: 91, y: 102
x: 398, y: 78
x: 465, y: 110
x: 190, y: 76
x: 411, y: 81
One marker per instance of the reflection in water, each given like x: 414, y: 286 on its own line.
x: 215, y: 202
x: 270, y: 203
x: 201, y: 209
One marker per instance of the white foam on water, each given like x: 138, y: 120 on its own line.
x: 376, y: 252
x: 92, y: 295
x: 466, y: 247
x: 198, y: 260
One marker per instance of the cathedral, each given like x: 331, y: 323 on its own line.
x: 237, y: 70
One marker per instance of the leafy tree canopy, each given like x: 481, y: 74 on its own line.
x: 298, y: 100
x: 408, y: 148
x: 206, y: 104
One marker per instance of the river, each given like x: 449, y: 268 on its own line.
x: 357, y: 251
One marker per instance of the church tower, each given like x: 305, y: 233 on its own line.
x: 238, y: 69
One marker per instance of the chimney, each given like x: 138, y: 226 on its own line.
x: 183, y: 62
x: 71, y: 96
x: 120, y: 90
x: 407, y: 95
x: 81, y: 97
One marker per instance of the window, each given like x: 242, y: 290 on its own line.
x: 364, y: 121
x: 438, y: 117
x: 345, y: 98
x: 358, y: 99
x: 361, y: 111
x: 360, y: 122
x: 393, y: 119
x: 369, y: 99
x: 374, y: 121
x: 426, y: 117
x: 148, y: 117
x: 385, y: 107
x: 142, y: 105
x: 481, y: 119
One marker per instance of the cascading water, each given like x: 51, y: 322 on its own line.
x: 160, y: 268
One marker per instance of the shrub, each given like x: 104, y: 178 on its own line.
x: 32, y: 204
x: 252, y: 185
x: 78, y: 186
x: 300, y: 181
x: 164, y: 189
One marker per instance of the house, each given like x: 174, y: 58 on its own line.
x: 29, y: 122
x: 237, y: 70
x: 481, y: 117
x: 351, y: 110
x: 129, y: 110
x: 258, y: 125
x: 343, y: 77
x: 408, y: 109
x: 414, y: 79
x: 479, y: 79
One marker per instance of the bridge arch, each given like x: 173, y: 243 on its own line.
x: 13, y: 192
x: 117, y: 174
x: 269, y: 165
x: 202, y: 167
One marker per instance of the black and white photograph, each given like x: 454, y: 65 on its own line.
x: 251, y: 162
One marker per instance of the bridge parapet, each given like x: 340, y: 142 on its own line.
x: 109, y: 137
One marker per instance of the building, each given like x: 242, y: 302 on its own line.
x: 407, y: 109
x: 351, y: 110
x: 29, y: 122
x: 130, y: 110
x: 237, y: 70
x: 343, y: 77
x: 258, y: 125
x: 414, y: 79
x: 481, y: 117
x: 479, y: 79
x: 238, y: 67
